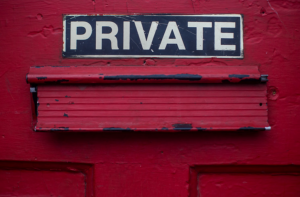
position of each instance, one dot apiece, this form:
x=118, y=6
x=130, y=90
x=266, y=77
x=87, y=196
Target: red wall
x=149, y=164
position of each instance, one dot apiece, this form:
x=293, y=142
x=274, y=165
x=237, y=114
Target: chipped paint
x=62, y=80
x=238, y=76
x=117, y=129
x=182, y=126
x=189, y=77
x=41, y=78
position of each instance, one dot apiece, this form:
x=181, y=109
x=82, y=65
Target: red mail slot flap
x=133, y=74
x=135, y=106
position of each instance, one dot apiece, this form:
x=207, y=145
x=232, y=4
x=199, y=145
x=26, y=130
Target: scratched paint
x=150, y=164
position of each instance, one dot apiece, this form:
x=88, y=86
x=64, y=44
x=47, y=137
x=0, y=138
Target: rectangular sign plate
x=156, y=36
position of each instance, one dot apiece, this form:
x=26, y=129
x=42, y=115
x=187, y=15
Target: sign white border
x=157, y=56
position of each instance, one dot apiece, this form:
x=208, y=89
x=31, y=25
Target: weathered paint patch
x=62, y=80
x=117, y=129
x=189, y=77
x=251, y=128
x=238, y=76
x=182, y=126
x=64, y=128
x=248, y=80
x=41, y=78
x=59, y=129
x=201, y=129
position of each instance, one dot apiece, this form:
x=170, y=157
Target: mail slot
x=162, y=99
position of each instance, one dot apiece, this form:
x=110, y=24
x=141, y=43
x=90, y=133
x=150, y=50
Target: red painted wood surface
x=41, y=183
x=159, y=107
x=45, y=179
x=152, y=164
x=138, y=74
x=153, y=107
x=229, y=180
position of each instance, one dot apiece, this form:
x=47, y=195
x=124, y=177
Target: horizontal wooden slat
x=155, y=100
x=147, y=122
x=149, y=129
x=151, y=120
x=141, y=74
x=141, y=107
x=153, y=87
x=150, y=94
x=127, y=70
x=235, y=113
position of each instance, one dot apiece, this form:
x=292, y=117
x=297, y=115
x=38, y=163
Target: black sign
x=159, y=36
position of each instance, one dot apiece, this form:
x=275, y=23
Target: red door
x=189, y=162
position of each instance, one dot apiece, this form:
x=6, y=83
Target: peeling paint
x=201, y=129
x=239, y=76
x=41, y=78
x=251, y=128
x=189, y=77
x=117, y=129
x=62, y=80
x=182, y=126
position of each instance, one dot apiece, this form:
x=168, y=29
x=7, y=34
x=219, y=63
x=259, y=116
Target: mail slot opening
x=107, y=99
